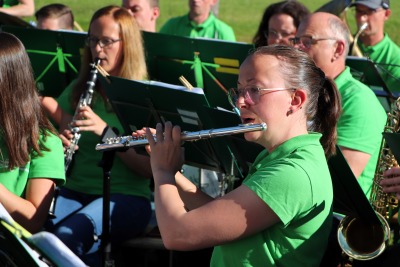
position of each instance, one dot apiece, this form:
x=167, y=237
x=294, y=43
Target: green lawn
x=242, y=15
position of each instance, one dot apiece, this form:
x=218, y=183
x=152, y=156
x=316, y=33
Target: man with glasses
x=374, y=43
x=326, y=39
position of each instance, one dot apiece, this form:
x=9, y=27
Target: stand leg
x=106, y=163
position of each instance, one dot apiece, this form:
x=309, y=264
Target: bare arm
x=237, y=214
x=357, y=160
x=53, y=110
x=32, y=211
x=25, y=8
x=190, y=194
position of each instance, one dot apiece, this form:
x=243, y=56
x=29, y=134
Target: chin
x=252, y=136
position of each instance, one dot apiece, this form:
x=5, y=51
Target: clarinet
x=84, y=100
x=130, y=141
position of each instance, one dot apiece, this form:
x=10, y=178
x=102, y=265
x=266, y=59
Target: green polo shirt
x=294, y=181
x=361, y=123
x=86, y=175
x=50, y=165
x=8, y=3
x=211, y=28
x=387, y=56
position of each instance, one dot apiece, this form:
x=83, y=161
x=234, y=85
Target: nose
x=283, y=41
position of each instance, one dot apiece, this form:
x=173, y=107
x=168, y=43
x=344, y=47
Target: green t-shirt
x=8, y=3
x=361, y=123
x=387, y=56
x=49, y=165
x=294, y=181
x=211, y=28
x=86, y=176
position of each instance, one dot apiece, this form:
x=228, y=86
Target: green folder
x=55, y=56
x=206, y=63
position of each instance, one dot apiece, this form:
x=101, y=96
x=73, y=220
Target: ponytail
x=327, y=116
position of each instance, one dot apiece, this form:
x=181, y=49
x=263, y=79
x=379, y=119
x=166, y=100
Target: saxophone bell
x=362, y=240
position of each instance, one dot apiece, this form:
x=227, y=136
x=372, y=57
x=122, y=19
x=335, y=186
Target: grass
x=242, y=15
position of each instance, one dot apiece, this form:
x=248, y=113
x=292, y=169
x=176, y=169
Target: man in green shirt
x=200, y=22
x=375, y=44
x=326, y=39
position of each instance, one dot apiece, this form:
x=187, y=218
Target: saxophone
x=358, y=239
x=84, y=100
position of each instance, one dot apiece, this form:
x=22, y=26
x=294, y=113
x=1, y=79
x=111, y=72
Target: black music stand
x=393, y=141
x=210, y=64
x=55, y=56
x=366, y=71
x=349, y=199
x=141, y=104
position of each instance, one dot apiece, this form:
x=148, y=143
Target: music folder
x=210, y=64
x=140, y=104
x=348, y=197
x=55, y=56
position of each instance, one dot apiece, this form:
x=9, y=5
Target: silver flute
x=84, y=100
x=131, y=141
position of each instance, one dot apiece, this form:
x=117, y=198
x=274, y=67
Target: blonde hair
x=133, y=56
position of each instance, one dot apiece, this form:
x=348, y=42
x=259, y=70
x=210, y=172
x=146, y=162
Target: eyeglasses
x=250, y=93
x=367, y=12
x=272, y=34
x=307, y=41
x=103, y=43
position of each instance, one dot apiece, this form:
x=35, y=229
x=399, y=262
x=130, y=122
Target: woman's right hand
x=391, y=183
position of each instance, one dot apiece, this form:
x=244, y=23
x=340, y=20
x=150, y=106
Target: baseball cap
x=373, y=4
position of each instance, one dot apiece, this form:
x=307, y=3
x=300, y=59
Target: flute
x=130, y=141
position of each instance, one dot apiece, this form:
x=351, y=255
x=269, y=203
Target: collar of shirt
x=373, y=48
x=205, y=24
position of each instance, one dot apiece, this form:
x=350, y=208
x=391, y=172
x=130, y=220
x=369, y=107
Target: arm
x=391, y=183
x=190, y=194
x=357, y=160
x=52, y=108
x=25, y=8
x=140, y=164
x=32, y=211
x=237, y=214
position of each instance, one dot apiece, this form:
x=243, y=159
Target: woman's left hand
x=166, y=154
x=87, y=120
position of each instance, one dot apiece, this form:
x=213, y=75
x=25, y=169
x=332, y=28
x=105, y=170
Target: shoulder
x=174, y=22
x=349, y=87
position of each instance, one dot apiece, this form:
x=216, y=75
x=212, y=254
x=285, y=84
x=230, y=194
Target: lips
x=246, y=120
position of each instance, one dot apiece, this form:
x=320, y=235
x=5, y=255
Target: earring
x=289, y=112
